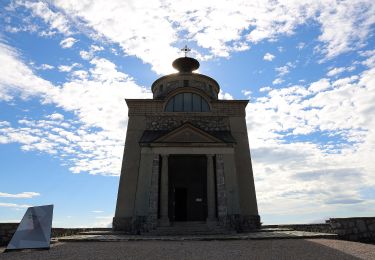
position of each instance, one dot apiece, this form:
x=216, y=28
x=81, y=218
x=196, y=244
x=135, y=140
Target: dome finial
x=185, y=50
x=185, y=64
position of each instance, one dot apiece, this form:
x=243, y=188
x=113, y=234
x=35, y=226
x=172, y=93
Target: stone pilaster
x=210, y=189
x=154, y=193
x=164, y=219
x=220, y=187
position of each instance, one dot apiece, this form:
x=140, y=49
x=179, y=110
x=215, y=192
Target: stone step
x=103, y=232
x=185, y=232
x=191, y=228
x=188, y=228
x=188, y=224
x=191, y=225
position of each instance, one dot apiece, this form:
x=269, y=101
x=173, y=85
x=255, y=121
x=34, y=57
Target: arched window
x=187, y=102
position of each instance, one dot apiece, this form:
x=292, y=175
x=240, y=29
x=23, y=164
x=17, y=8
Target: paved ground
x=106, y=236
x=233, y=249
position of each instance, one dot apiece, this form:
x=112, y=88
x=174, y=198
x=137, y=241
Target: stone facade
x=185, y=118
x=207, y=123
x=127, y=224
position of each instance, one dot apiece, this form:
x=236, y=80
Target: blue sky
x=307, y=67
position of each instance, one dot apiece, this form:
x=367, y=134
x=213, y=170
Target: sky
x=307, y=68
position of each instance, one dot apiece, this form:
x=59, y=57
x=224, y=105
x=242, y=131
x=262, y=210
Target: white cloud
x=246, y=92
x=320, y=85
x=87, y=55
x=264, y=89
x=97, y=211
x=18, y=79
x=68, y=68
x=105, y=71
x=46, y=67
x=148, y=37
x=282, y=70
x=314, y=177
x=301, y=45
x=56, y=116
x=225, y=96
x=68, y=42
x=22, y=28
x=268, y=56
x=345, y=25
x=22, y=195
x=96, y=48
x=336, y=71
x=57, y=21
x=4, y=123
x=370, y=58
x=13, y=205
x=277, y=81
x=96, y=101
x=80, y=74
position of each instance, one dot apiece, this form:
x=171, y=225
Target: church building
x=186, y=158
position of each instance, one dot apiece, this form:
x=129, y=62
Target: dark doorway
x=180, y=208
x=187, y=187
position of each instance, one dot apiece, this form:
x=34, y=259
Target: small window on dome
x=187, y=102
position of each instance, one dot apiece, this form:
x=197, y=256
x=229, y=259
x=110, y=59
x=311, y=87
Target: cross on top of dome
x=185, y=64
x=186, y=50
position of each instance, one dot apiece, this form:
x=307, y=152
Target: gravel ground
x=239, y=249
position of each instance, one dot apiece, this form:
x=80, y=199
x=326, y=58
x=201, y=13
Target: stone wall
x=360, y=229
x=323, y=228
x=8, y=229
x=354, y=229
x=62, y=232
x=240, y=223
x=6, y=232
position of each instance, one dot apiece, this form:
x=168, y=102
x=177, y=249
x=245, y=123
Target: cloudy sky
x=307, y=67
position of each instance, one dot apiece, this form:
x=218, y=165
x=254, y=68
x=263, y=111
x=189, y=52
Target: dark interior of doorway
x=187, y=187
x=180, y=209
